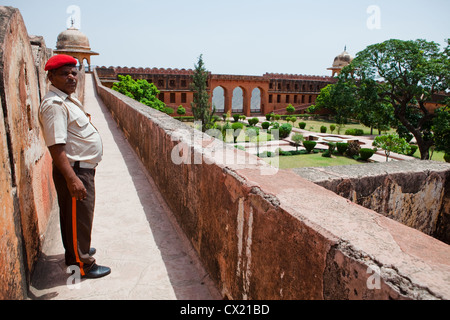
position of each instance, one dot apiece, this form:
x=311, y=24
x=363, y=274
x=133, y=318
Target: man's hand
x=74, y=184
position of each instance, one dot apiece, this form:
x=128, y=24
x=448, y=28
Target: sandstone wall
x=265, y=234
x=415, y=193
x=27, y=194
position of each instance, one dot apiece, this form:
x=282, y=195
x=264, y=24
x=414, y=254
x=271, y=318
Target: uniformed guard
x=76, y=149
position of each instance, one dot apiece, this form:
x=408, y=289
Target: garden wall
x=264, y=233
x=415, y=193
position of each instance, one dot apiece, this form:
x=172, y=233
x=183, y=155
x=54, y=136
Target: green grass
x=437, y=155
x=314, y=126
x=310, y=160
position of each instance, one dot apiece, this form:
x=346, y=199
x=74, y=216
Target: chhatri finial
x=345, y=48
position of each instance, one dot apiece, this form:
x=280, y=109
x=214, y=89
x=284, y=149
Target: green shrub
x=168, y=110
x=309, y=145
x=341, y=147
x=265, y=125
x=323, y=129
x=237, y=127
x=352, y=149
x=366, y=153
x=253, y=121
x=412, y=150
x=269, y=116
x=290, y=108
x=236, y=117
x=332, y=127
x=285, y=129
x=181, y=110
x=277, y=116
x=252, y=132
x=354, y=132
x=302, y=125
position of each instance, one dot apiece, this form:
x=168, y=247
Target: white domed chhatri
x=74, y=43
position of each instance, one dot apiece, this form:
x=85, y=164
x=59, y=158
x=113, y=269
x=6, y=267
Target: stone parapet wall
x=415, y=193
x=264, y=233
x=27, y=194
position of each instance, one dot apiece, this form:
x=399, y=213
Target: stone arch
x=256, y=100
x=238, y=104
x=218, y=98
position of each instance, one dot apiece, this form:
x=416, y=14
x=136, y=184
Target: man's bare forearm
x=61, y=162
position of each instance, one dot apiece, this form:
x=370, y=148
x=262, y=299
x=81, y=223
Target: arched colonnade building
x=249, y=95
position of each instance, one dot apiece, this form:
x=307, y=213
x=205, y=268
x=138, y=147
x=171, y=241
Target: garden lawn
x=314, y=126
x=309, y=160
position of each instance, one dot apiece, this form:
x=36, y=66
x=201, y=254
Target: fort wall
x=415, y=193
x=27, y=197
x=241, y=216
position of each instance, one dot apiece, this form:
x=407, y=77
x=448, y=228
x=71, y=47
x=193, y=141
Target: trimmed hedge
x=354, y=132
x=309, y=145
x=366, y=153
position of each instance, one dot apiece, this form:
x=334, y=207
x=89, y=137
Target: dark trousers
x=76, y=218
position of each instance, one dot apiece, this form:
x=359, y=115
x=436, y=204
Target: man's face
x=64, y=78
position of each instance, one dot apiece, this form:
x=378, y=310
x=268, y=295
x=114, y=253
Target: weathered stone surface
x=415, y=193
x=27, y=195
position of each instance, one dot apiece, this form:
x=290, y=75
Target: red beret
x=58, y=61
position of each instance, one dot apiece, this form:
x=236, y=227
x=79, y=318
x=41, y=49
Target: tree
x=339, y=98
x=140, y=90
x=391, y=143
x=441, y=129
x=407, y=74
x=297, y=138
x=290, y=108
x=201, y=107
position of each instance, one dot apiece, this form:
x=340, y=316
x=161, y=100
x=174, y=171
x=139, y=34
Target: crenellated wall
x=270, y=234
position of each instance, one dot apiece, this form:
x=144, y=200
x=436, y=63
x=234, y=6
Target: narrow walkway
x=132, y=233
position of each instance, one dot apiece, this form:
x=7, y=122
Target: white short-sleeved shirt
x=64, y=121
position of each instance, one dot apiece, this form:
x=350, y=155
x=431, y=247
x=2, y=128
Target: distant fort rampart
x=276, y=91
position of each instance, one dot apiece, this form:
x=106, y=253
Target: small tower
x=342, y=60
x=74, y=43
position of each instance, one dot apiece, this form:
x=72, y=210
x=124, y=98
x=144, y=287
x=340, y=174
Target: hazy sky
x=246, y=37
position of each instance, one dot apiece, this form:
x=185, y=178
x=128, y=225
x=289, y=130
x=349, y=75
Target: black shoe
x=97, y=272
x=92, y=251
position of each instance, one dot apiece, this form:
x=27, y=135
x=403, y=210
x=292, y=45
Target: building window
x=183, y=84
x=161, y=96
x=270, y=98
x=288, y=98
x=183, y=97
x=172, y=97
x=295, y=99
x=278, y=98
x=160, y=84
x=172, y=83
